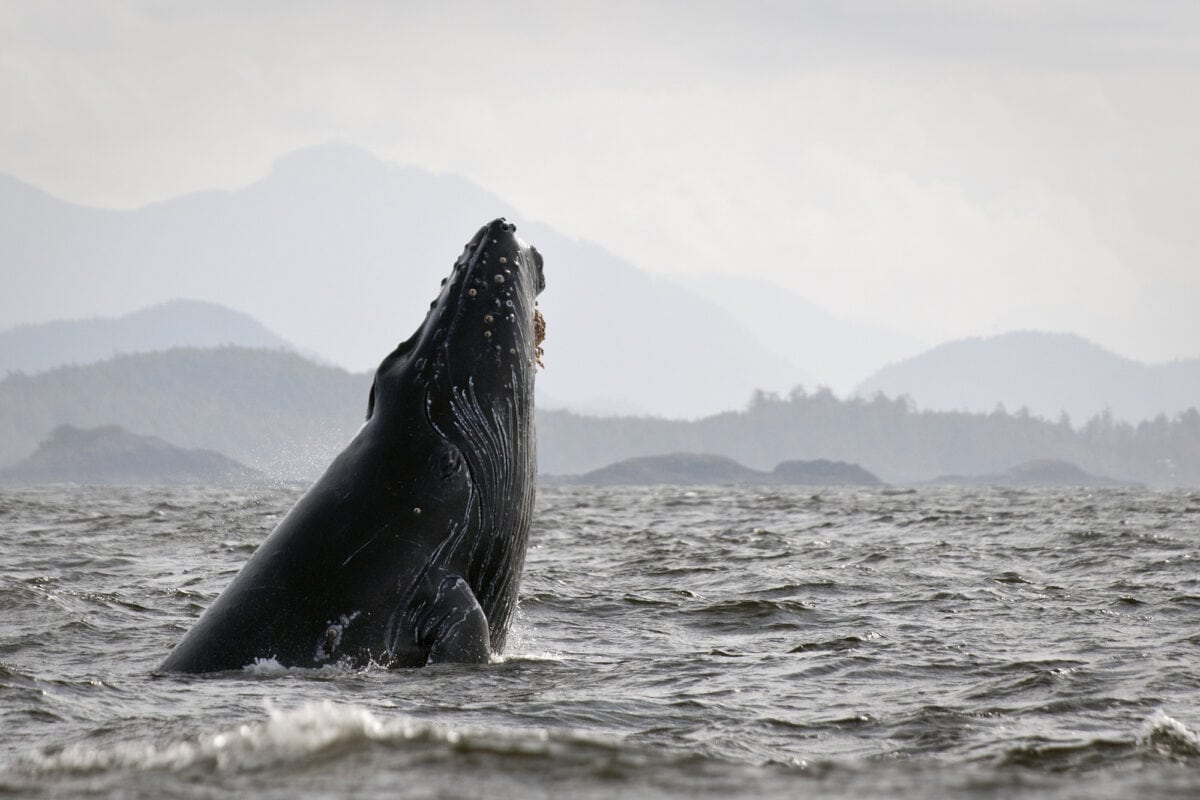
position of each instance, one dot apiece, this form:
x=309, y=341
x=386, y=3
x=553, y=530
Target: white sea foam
x=524, y=644
x=516, y=657
x=265, y=666
x=270, y=667
x=1170, y=737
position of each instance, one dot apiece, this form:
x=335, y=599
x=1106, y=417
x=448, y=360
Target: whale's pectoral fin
x=457, y=628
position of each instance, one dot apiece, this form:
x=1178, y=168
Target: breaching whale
x=409, y=549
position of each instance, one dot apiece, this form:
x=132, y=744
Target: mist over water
x=715, y=641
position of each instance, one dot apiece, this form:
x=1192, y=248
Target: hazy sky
x=941, y=169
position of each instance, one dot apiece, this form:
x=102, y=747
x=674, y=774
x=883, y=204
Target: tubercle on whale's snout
x=498, y=227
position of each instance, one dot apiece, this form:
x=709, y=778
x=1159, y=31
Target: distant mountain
x=178, y=323
x=113, y=455
x=340, y=254
x=1047, y=373
x=831, y=351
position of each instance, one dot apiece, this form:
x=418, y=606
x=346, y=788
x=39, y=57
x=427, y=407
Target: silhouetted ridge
x=888, y=437
x=176, y=323
x=1046, y=373
x=288, y=417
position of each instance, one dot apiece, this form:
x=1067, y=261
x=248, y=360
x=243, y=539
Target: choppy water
x=671, y=643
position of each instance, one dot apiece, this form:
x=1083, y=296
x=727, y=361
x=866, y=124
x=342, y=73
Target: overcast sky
x=941, y=169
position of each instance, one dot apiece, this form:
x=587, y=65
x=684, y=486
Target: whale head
x=466, y=377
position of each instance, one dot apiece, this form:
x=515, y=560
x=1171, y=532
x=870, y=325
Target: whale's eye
x=449, y=462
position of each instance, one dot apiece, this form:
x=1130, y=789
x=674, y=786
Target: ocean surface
x=671, y=642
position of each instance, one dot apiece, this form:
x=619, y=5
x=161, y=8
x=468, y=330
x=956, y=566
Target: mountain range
x=340, y=253
x=335, y=254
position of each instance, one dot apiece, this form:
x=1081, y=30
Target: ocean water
x=671, y=642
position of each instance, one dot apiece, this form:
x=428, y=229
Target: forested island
x=684, y=469
x=112, y=455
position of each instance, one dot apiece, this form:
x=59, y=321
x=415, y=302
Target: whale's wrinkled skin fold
x=409, y=549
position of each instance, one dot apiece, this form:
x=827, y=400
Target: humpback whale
x=408, y=550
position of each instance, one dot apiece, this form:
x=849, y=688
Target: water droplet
x=508, y=303
x=503, y=260
x=488, y=318
x=487, y=334
x=472, y=292
x=417, y=511
x=499, y=278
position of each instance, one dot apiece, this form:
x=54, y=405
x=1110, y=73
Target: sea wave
x=1161, y=737
x=299, y=734
x=1170, y=738
x=1021, y=647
